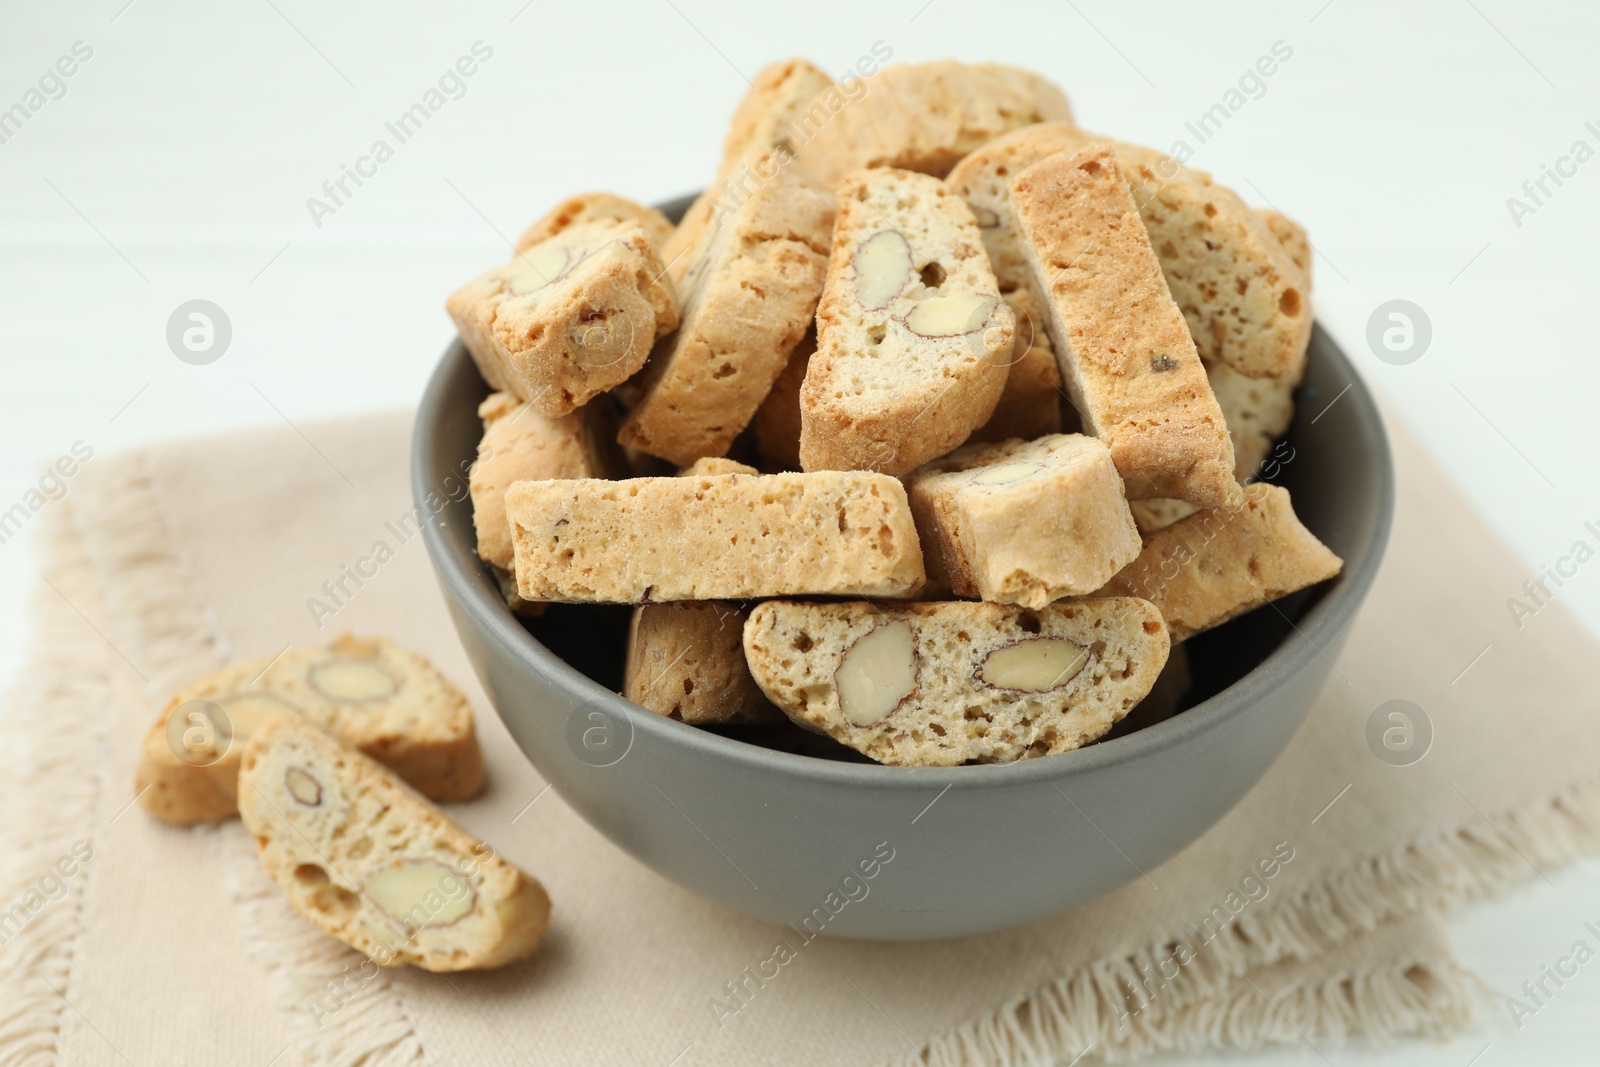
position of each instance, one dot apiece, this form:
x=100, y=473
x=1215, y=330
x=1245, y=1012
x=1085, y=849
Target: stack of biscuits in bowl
x=933, y=427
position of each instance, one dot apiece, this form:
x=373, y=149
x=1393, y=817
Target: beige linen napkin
x=170, y=945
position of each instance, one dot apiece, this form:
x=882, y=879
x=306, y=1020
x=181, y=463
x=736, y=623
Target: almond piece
x=418, y=892
x=883, y=267
x=951, y=316
x=537, y=267
x=303, y=786
x=877, y=673
x=352, y=681
x=1037, y=665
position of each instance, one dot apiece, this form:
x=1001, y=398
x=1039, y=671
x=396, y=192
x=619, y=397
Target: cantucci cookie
x=1125, y=353
x=716, y=465
x=686, y=661
x=774, y=115
x=567, y=318
x=369, y=862
x=1023, y=522
x=913, y=341
x=1221, y=562
x=748, y=298
x=520, y=444
x=714, y=537
x=944, y=684
x=777, y=420
x=592, y=207
x=1292, y=236
x=1244, y=297
x=926, y=116
x=189, y=759
x=1030, y=403
x=392, y=704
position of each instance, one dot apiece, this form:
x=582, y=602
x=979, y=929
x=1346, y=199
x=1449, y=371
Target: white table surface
x=177, y=163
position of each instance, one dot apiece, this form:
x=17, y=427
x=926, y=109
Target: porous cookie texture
x=1243, y=293
x=1030, y=404
x=748, y=298
x=716, y=465
x=726, y=536
x=1292, y=236
x=1023, y=522
x=686, y=661
x=1124, y=350
x=914, y=343
x=950, y=683
x=926, y=116
x=189, y=759
x=780, y=109
x=1221, y=562
x=519, y=444
x=392, y=704
x=372, y=864
x=567, y=318
x=592, y=207
x=777, y=421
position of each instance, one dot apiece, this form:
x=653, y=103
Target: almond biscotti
x=1030, y=403
x=1221, y=562
x=1292, y=236
x=950, y=683
x=776, y=113
x=714, y=537
x=777, y=421
x=592, y=207
x=567, y=318
x=1244, y=296
x=913, y=340
x=1023, y=522
x=686, y=661
x=519, y=444
x=1124, y=349
x=372, y=864
x=748, y=298
x=926, y=116
x=390, y=703
x=716, y=465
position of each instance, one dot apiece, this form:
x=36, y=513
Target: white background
x=178, y=164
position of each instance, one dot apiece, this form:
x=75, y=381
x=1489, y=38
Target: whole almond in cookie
x=567, y=318
x=377, y=697
x=369, y=862
x=1125, y=352
x=940, y=684
x=914, y=343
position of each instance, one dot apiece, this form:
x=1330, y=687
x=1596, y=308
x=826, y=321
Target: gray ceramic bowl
x=860, y=850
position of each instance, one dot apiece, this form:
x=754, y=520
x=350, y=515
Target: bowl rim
x=468, y=581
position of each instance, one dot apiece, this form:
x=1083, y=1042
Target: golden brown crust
x=1024, y=522
x=334, y=829
x=568, y=318
x=954, y=712
x=590, y=207
x=686, y=661
x=1125, y=353
x=926, y=116
x=748, y=298
x=879, y=395
x=1221, y=562
x=729, y=536
x=778, y=418
x=1243, y=293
